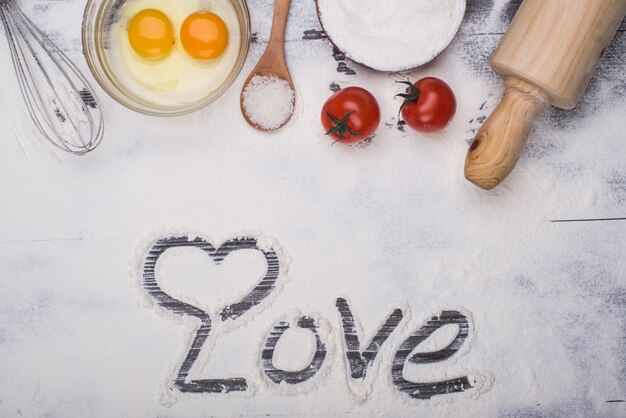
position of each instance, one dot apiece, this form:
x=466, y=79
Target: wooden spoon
x=272, y=63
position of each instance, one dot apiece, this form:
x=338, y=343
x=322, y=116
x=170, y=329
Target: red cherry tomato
x=429, y=105
x=351, y=115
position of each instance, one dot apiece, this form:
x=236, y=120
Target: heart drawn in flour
x=233, y=311
x=192, y=276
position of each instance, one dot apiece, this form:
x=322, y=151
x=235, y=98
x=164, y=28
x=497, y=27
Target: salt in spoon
x=272, y=63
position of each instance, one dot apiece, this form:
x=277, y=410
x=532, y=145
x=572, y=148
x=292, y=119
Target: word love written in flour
x=359, y=356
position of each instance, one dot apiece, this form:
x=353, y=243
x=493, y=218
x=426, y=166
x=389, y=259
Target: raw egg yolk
x=150, y=34
x=204, y=35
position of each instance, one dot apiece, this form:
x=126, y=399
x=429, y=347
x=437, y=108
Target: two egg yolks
x=204, y=35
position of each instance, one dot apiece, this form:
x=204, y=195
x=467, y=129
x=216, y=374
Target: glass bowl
x=98, y=21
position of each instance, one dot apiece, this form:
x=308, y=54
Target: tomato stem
x=412, y=95
x=341, y=126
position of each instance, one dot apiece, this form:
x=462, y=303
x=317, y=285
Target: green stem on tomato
x=412, y=95
x=341, y=127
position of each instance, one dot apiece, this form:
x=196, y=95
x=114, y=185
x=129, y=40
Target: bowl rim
x=92, y=56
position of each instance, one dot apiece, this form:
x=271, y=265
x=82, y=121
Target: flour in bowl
x=391, y=36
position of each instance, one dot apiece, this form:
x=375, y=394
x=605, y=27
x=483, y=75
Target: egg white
x=178, y=78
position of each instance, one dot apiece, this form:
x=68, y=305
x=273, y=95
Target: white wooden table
x=389, y=225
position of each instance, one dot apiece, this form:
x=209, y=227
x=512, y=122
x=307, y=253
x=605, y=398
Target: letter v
x=358, y=361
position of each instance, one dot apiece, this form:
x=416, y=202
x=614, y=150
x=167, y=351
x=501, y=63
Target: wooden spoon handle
x=497, y=146
x=279, y=23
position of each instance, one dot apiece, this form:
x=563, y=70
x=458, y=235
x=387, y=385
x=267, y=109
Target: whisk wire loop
x=57, y=95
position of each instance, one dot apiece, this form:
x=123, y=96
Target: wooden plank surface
x=384, y=236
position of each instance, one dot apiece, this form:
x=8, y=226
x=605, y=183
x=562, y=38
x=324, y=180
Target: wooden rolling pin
x=547, y=57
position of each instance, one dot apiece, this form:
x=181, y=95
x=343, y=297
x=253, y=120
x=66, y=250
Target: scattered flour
x=268, y=101
x=392, y=225
x=388, y=37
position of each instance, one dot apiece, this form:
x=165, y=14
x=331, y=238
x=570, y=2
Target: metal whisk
x=58, y=97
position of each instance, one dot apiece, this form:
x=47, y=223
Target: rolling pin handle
x=498, y=144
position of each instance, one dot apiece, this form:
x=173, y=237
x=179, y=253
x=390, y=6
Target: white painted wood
x=390, y=225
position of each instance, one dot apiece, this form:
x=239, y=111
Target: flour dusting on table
x=538, y=306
